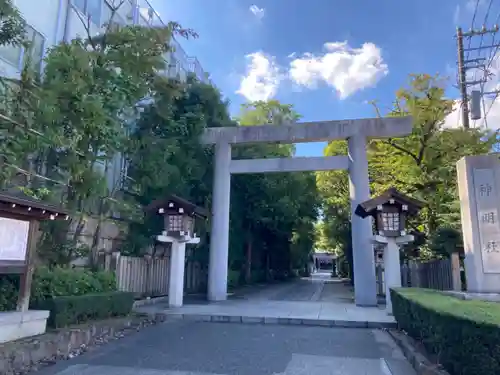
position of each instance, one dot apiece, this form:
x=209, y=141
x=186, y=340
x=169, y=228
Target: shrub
x=51, y=282
x=9, y=289
x=464, y=335
x=68, y=310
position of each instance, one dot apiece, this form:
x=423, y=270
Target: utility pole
x=461, y=77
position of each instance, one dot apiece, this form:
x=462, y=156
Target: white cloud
x=342, y=67
x=262, y=77
x=257, y=12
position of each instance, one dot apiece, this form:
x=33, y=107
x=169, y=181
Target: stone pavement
x=318, y=300
x=186, y=347
x=196, y=348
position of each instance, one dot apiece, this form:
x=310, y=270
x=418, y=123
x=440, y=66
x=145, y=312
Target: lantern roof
x=188, y=207
x=26, y=208
x=369, y=207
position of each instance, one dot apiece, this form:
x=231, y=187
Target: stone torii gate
x=355, y=131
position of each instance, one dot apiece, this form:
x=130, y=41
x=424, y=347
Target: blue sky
x=326, y=57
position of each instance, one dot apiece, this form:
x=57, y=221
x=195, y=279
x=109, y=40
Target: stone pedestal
x=177, y=266
x=15, y=325
x=392, y=276
x=176, y=279
x=478, y=186
x=392, y=265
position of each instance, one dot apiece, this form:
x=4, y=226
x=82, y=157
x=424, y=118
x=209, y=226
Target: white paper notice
x=488, y=220
x=13, y=239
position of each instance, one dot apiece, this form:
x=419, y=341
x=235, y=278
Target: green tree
x=278, y=212
x=165, y=155
x=91, y=87
x=421, y=164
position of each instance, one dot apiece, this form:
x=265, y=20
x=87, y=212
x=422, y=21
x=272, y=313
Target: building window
x=34, y=52
x=19, y=55
x=11, y=54
x=91, y=8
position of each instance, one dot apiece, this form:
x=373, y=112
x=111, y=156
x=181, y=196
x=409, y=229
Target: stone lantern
x=390, y=211
x=179, y=217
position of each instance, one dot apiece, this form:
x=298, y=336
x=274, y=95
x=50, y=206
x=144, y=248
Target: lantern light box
x=179, y=215
x=390, y=211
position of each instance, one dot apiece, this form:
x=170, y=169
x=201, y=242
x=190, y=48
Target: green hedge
x=68, y=310
x=465, y=335
x=52, y=282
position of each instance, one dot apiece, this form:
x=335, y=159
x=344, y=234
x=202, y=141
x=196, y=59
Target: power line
x=479, y=56
x=472, y=26
x=491, y=58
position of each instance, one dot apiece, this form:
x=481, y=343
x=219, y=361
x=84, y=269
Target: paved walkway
x=198, y=348
x=182, y=347
x=318, y=300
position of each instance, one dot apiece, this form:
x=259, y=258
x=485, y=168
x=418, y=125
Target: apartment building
x=52, y=21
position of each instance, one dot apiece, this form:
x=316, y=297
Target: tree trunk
x=268, y=264
x=248, y=270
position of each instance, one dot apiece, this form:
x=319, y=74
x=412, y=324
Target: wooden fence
x=439, y=274
x=149, y=277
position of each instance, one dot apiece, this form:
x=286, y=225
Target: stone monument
x=478, y=184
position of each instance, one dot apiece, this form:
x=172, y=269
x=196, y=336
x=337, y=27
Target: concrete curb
x=276, y=321
x=417, y=360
